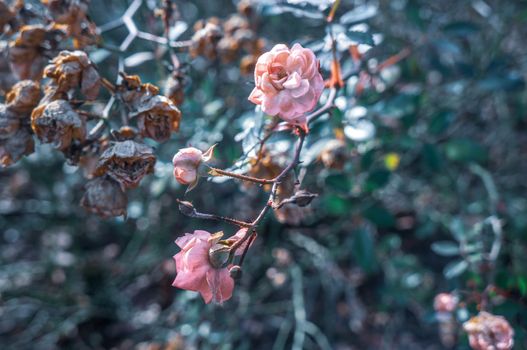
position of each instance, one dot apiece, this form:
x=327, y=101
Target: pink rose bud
x=445, y=302
x=196, y=272
x=186, y=163
x=489, y=332
x=288, y=83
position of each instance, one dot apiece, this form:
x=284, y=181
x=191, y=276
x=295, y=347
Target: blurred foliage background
x=419, y=170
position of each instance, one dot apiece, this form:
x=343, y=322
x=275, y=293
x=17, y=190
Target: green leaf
x=455, y=268
x=380, y=216
x=335, y=205
x=377, y=179
x=338, y=183
x=361, y=37
x=461, y=28
x=440, y=122
x=445, y=248
x=363, y=249
x=465, y=150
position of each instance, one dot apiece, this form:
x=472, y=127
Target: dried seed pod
x=57, y=123
x=157, y=118
x=127, y=162
x=104, y=197
x=72, y=69
x=23, y=97
x=12, y=149
x=9, y=123
x=205, y=39
x=247, y=64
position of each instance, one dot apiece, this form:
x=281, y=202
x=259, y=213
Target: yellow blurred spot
x=391, y=161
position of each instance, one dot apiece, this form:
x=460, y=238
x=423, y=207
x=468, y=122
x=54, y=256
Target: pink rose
x=195, y=271
x=489, y=332
x=445, y=302
x=288, y=83
x=186, y=163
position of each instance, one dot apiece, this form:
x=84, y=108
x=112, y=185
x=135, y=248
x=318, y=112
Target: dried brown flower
x=334, y=154
x=73, y=13
x=6, y=16
x=26, y=50
x=174, y=89
x=205, y=39
x=9, y=123
x=58, y=123
x=72, y=69
x=13, y=148
x=157, y=118
x=127, y=162
x=133, y=91
x=23, y=97
x=104, y=197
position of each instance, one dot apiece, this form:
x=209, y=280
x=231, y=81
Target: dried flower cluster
x=230, y=39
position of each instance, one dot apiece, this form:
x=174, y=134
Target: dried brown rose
x=104, y=197
x=12, y=149
x=72, y=69
x=205, y=39
x=133, y=91
x=6, y=16
x=23, y=97
x=73, y=13
x=58, y=123
x=25, y=52
x=174, y=89
x=157, y=118
x=9, y=123
x=235, y=23
x=127, y=162
x=334, y=154
x=228, y=49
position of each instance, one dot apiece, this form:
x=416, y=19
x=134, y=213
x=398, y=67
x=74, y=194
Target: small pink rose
x=288, y=83
x=445, y=302
x=186, y=163
x=195, y=271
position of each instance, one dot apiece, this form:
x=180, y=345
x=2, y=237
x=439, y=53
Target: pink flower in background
x=186, y=163
x=445, y=302
x=288, y=83
x=489, y=332
x=195, y=271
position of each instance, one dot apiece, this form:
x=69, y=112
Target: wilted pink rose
x=288, y=83
x=445, y=302
x=186, y=163
x=195, y=271
x=489, y=332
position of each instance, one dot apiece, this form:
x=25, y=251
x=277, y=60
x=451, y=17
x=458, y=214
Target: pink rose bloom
x=288, y=83
x=186, y=163
x=445, y=302
x=489, y=332
x=195, y=271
